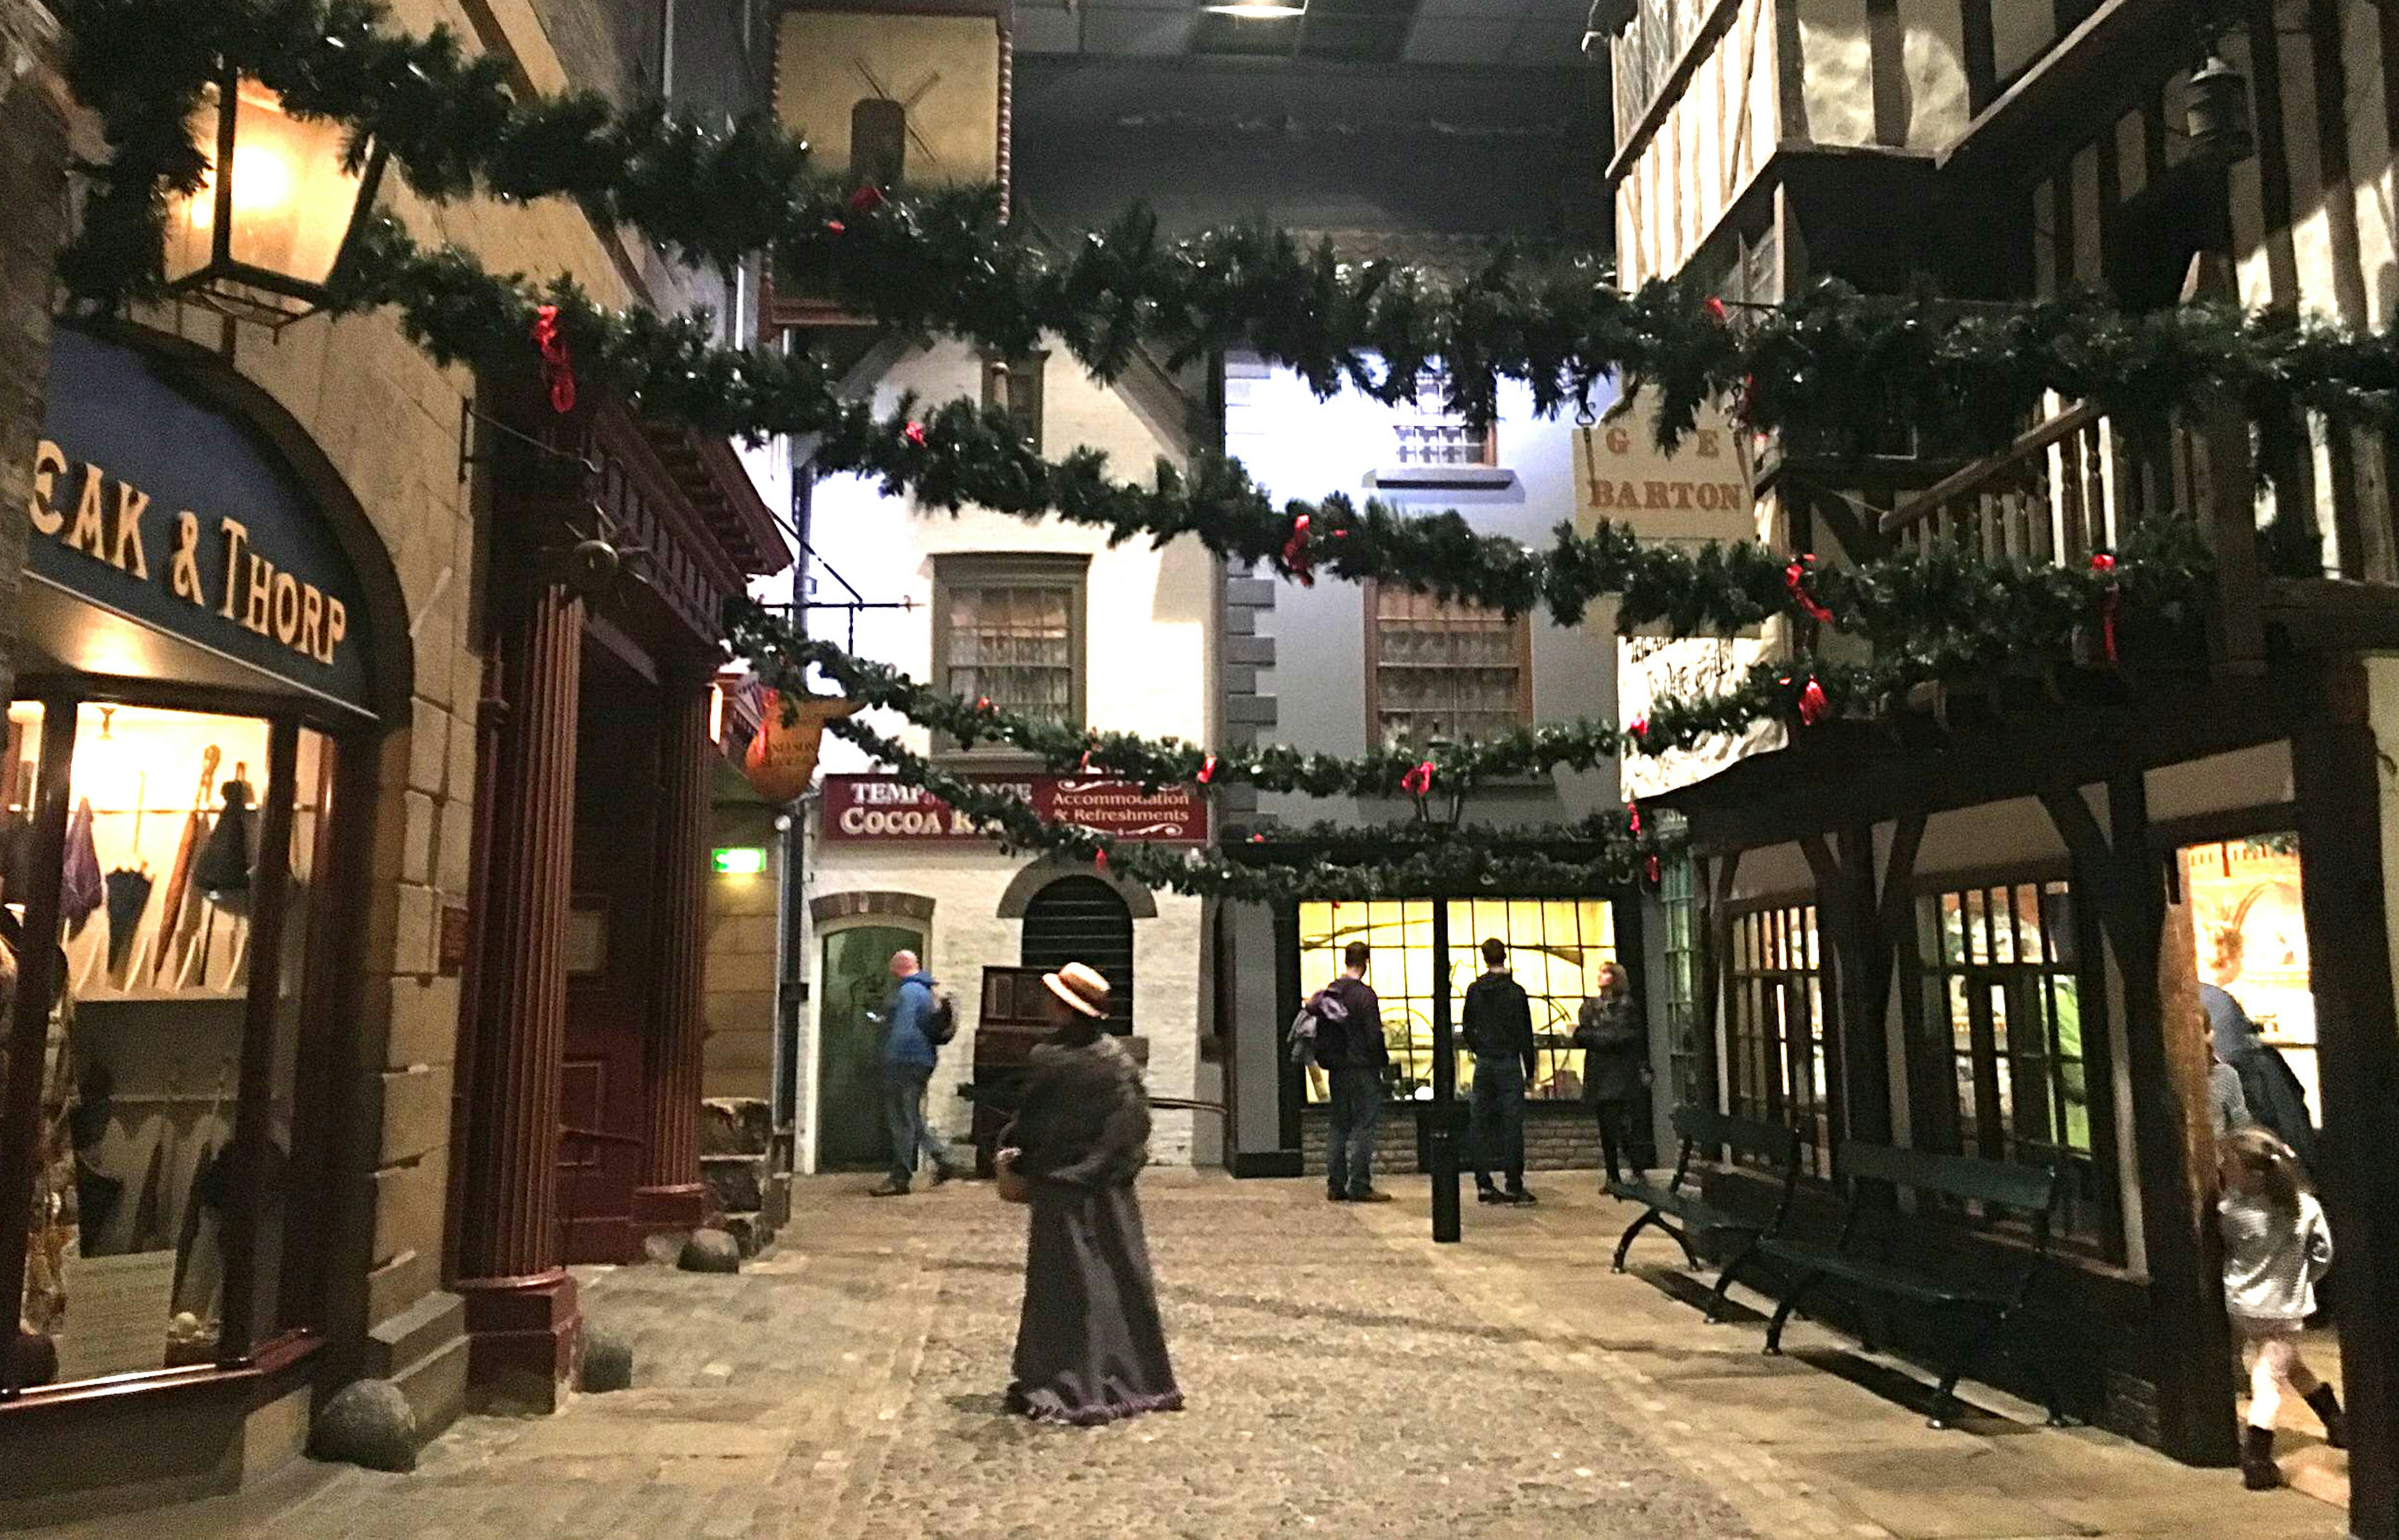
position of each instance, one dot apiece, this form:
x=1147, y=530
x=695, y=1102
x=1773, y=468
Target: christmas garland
x=1403, y=860
x=1945, y=604
x=1827, y=364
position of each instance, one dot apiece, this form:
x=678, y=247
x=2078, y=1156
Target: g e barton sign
x=1701, y=492
x=155, y=504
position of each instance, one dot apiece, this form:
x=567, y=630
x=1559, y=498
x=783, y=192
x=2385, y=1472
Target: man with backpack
x=916, y=1025
x=1348, y=1045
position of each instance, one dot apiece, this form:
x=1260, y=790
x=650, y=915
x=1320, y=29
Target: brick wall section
x=738, y=990
x=33, y=187
x=1559, y=1137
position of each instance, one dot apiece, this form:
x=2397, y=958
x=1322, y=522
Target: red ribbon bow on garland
x=1207, y=769
x=1795, y=578
x=866, y=199
x=1812, y=704
x=983, y=703
x=1639, y=728
x=2110, y=601
x=1716, y=310
x=1419, y=781
x=1653, y=870
x=1295, y=555
x=914, y=434
x=1632, y=819
x=557, y=364
x=1100, y=858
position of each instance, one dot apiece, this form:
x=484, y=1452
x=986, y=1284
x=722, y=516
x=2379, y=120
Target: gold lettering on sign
x=86, y=535
x=261, y=591
x=130, y=504
x=237, y=539
x=312, y=618
x=287, y=608
x=184, y=567
x=49, y=460
x=259, y=595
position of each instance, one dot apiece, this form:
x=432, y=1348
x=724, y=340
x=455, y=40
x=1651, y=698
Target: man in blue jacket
x=908, y=1058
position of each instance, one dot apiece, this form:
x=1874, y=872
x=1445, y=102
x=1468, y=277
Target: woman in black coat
x=1615, y=1043
x=1089, y=1345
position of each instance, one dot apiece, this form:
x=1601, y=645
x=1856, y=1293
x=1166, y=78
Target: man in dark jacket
x=908, y=1058
x=1499, y=1033
x=1354, y=1058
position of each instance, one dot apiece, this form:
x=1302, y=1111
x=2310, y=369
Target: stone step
x=753, y=1233
x=737, y=1125
x=737, y=1183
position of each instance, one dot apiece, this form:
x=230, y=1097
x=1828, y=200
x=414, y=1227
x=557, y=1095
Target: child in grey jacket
x=2276, y=1245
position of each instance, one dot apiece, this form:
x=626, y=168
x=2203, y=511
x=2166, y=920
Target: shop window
x=1775, y=1036
x=1555, y=949
x=164, y=1136
x=1014, y=385
x=1676, y=894
x=1441, y=671
x=2250, y=935
x=1998, y=973
x=1011, y=630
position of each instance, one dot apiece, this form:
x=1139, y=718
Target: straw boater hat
x=1081, y=987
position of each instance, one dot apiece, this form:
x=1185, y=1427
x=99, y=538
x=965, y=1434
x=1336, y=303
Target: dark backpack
x=1323, y=1009
x=942, y=1021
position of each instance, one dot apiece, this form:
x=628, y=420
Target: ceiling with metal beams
x=1525, y=33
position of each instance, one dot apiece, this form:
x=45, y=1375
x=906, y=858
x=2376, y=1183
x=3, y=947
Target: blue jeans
x=1350, y=1150
x=903, y=1109
x=1499, y=1120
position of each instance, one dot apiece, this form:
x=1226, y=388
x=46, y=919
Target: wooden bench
x=1975, y=1310
x=1677, y=1207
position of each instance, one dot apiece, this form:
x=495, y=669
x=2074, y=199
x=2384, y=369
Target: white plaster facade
x=1149, y=647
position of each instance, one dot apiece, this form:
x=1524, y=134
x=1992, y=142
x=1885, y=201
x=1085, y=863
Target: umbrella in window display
x=179, y=876
x=80, y=888
x=128, y=890
x=222, y=869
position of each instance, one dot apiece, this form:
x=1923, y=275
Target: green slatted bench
x=1677, y=1207
x=1974, y=1311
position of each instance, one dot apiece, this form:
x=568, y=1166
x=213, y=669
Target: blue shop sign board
x=172, y=513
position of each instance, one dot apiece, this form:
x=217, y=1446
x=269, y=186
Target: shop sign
x=1701, y=492
x=174, y=514
x=863, y=808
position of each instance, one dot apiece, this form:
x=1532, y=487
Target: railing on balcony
x=2081, y=481
x=2076, y=483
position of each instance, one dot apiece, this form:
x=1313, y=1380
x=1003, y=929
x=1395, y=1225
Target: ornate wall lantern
x=282, y=202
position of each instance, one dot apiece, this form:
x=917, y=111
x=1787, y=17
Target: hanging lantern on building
x=782, y=756
x=281, y=202
x=2216, y=113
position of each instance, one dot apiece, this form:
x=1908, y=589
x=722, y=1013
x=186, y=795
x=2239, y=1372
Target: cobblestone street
x=1346, y=1379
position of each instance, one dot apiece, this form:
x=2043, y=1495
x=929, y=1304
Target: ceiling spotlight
x=1255, y=7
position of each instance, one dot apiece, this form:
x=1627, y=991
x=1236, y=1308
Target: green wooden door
x=855, y=978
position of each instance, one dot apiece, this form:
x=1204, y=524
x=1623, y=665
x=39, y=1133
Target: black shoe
x=1518, y=1196
x=2258, y=1471
x=944, y=1175
x=1372, y=1194
x=1488, y=1195
x=1337, y=1197
x=889, y=1189
x=2325, y=1403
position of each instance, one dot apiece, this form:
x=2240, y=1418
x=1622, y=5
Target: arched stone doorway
x=1082, y=919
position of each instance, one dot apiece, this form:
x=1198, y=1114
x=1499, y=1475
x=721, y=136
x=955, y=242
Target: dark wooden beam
x=1886, y=44
x=2166, y=1062
x=2337, y=770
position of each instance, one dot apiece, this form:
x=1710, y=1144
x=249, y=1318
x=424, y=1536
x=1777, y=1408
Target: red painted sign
x=862, y=808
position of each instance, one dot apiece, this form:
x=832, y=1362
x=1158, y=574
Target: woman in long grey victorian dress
x=1089, y=1345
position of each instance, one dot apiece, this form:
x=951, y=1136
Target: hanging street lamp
x=2216, y=113
x=281, y=203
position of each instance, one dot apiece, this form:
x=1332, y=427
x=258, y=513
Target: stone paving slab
x=1346, y=1378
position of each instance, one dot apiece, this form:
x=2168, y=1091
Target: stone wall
x=1558, y=1137
x=738, y=987
x=32, y=188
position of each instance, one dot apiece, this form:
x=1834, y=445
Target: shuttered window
x=1082, y=919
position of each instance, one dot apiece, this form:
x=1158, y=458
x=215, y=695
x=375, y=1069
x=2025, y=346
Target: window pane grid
x=1014, y=646
x=1775, y=1004
x=1443, y=671
x=1998, y=964
x=1556, y=948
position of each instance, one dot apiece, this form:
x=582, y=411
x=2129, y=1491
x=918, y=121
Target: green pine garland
x=1400, y=861
x=1821, y=366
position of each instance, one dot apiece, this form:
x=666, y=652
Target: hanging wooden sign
x=782, y=756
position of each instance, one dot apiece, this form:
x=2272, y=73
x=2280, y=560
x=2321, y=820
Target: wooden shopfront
x=210, y=650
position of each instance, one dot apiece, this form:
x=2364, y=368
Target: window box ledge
x=1442, y=478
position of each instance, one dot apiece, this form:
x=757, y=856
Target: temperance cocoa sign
x=859, y=809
